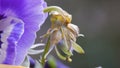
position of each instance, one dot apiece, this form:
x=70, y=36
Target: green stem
x=46, y=49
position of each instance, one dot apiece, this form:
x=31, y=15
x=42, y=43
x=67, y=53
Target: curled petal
x=37, y=45
x=73, y=29
x=35, y=52
x=81, y=35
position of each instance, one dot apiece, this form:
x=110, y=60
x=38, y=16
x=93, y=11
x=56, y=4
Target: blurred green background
x=99, y=21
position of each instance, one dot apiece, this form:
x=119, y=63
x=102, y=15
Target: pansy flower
x=19, y=22
x=62, y=35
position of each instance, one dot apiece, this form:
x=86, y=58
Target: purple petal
x=33, y=19
x=9, y=38
x=31, y=13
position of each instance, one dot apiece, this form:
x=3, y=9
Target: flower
x=62, y=34
x=19, y=22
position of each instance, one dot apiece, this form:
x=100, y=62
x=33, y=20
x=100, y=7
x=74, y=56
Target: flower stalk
x=46, y=49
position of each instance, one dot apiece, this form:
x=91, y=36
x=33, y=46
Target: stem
x=46, y=49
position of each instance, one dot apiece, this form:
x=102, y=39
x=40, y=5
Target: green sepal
x=77, y=48
x=59, y=55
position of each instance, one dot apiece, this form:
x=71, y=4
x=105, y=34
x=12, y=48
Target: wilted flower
x=62, y=34
x=19, y=22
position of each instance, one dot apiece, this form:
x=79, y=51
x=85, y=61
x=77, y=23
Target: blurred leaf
x=52, y=62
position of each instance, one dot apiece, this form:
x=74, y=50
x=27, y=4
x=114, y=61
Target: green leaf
x=77, y=48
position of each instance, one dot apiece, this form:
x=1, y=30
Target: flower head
x=62, y=34
x=19, y=22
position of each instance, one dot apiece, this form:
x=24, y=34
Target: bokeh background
x=99, y=21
